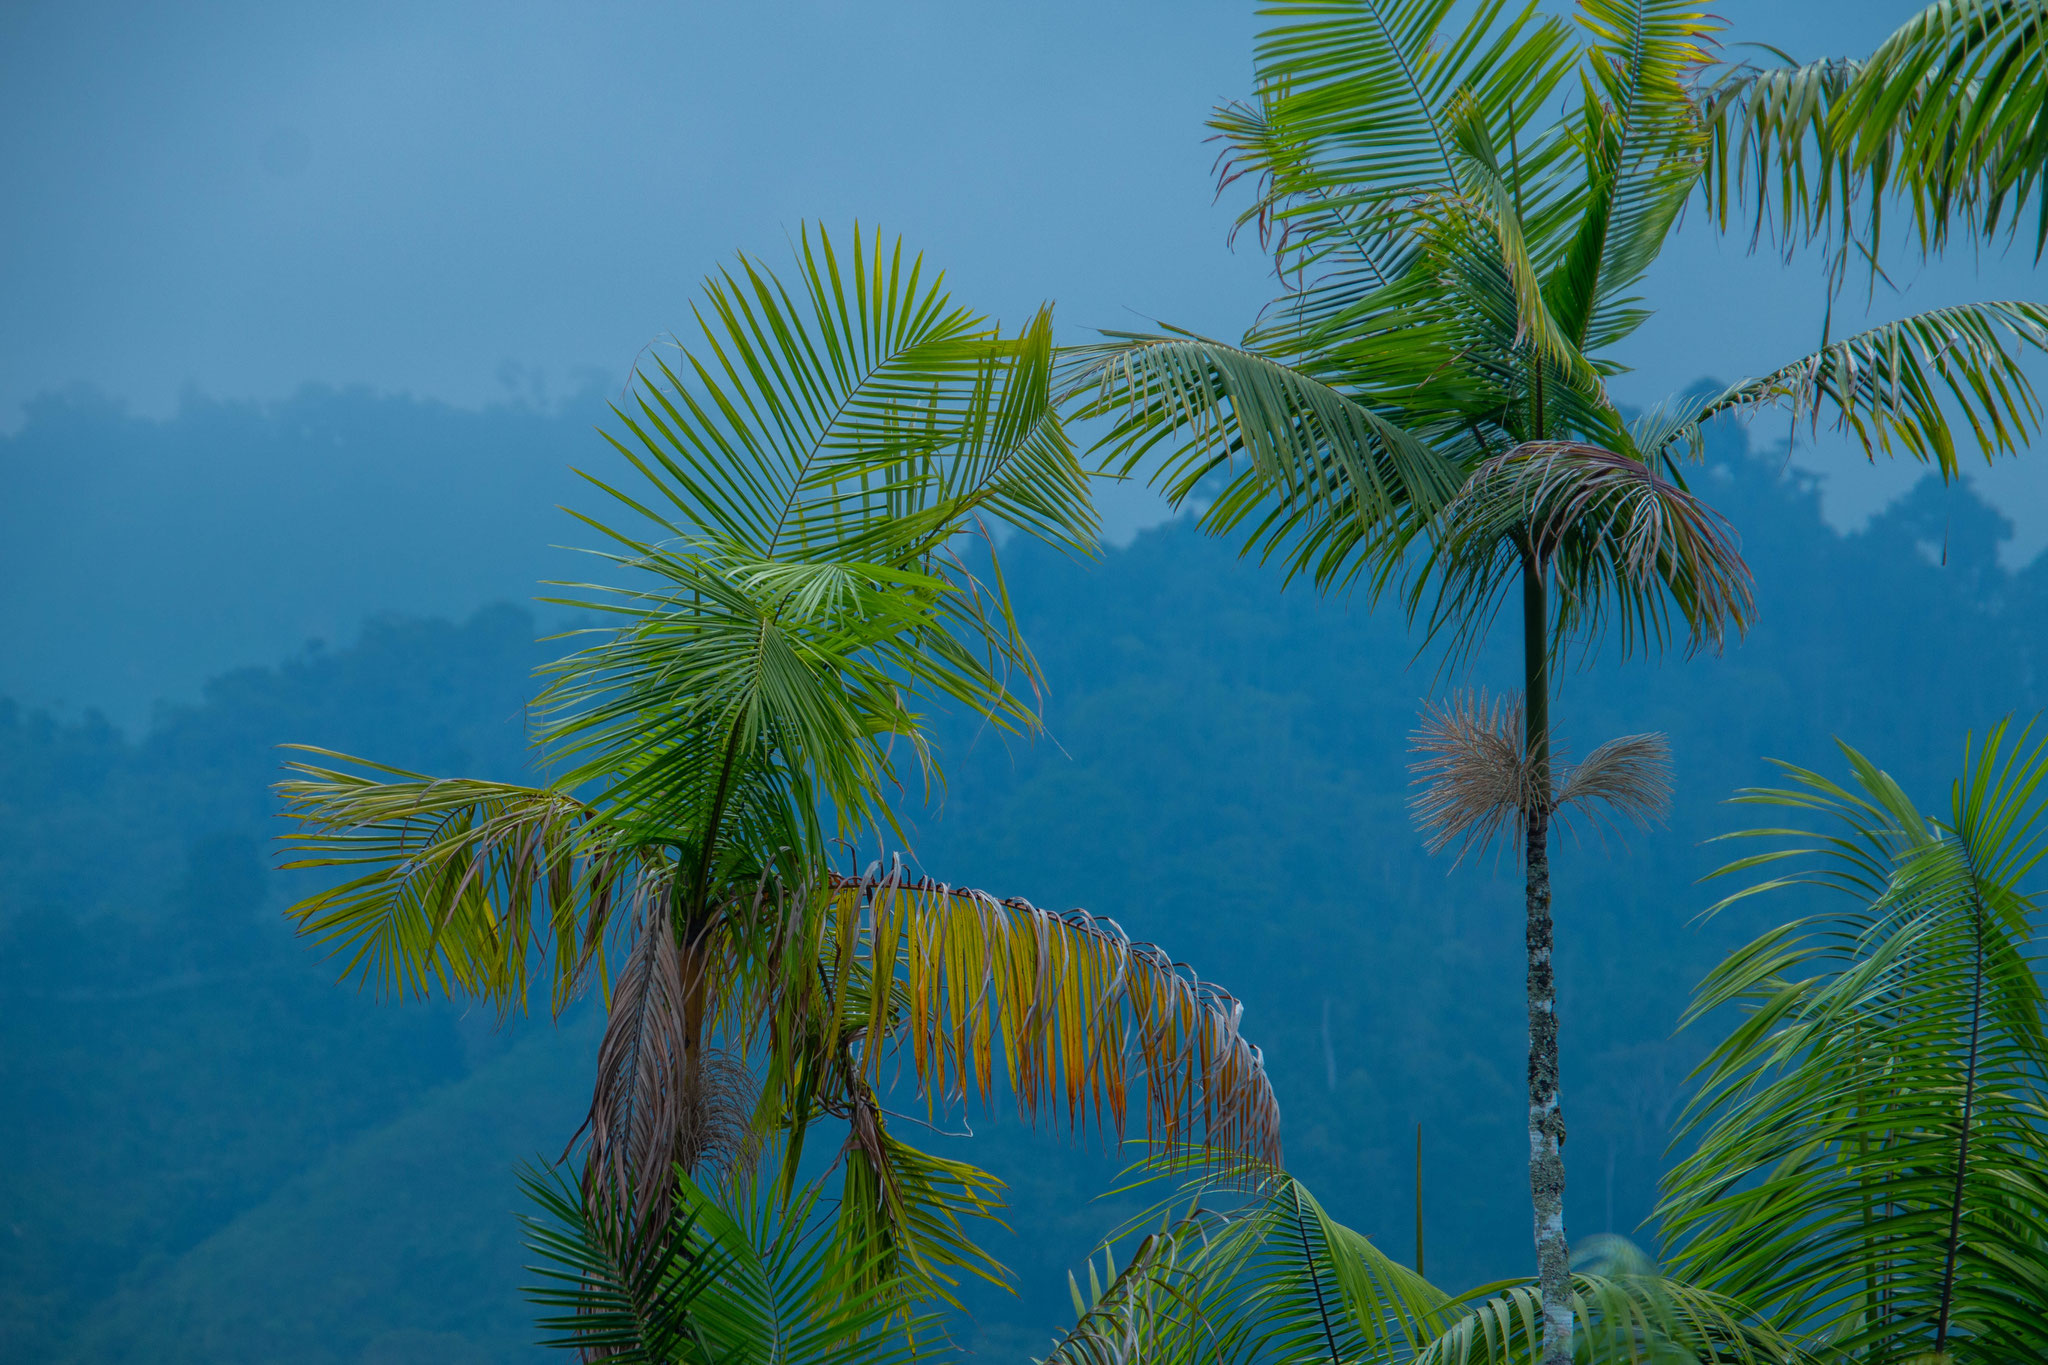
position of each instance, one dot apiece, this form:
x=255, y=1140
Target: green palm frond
x=1870, y=1139
x=1317, y=473
x=1949, y=114
x=618, y=1296
x=1265, y=1274
x=1159, y=1307
x=1770, y=148
x=454, y=885
x=1627, y=1311
x=1894, y=385
x=1262, y=1275
x=915, y=1209
x=1643, y=142
x=808, y=465
x=865, y=404
x=737, y=1278
x=1359, y=94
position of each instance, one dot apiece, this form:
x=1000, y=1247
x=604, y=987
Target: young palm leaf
x=1869, y=1157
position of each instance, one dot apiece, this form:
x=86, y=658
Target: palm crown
x=793, y=588
x=1461, y=205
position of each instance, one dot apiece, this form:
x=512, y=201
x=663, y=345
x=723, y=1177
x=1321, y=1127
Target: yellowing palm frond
x=1065, y=1010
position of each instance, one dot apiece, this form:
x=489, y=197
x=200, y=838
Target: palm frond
x=799, y=424
x=1625, y=545
x=454, y=885
x=663, y=1098
x=1869, y=1137
x=1946, y=114
x=1644, y=141
x=1893, y=384
x=806, y=467
x=1266, y=1274
x=1626, y=1310
x=744, y=1278
x=1358, y=95
x=1077, y=1012
x=1316, y=473
x=618, y=1295
x=915, y=1209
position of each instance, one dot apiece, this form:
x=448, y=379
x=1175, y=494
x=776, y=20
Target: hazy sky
x=465, y=199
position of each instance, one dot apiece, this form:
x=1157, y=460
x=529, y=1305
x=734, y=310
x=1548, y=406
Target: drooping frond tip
x=1067, y=1002
x=1621, y=545
x=1476, y=777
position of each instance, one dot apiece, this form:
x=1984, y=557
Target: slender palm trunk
x=1546, y=1117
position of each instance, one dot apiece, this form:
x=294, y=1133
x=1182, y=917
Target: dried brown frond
x=663, y=1098
x=637, y=1107
x=1631, y=776
x=1474, y=772
x=717, y=1140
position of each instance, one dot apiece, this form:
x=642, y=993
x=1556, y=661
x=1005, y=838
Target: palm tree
x=1425, y=404
x=1871, y=1168
x=790, y=589
x=1268, y=1276
x=1949, y=115
x=737, y=1276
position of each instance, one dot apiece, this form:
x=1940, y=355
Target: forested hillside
x=217, y=1154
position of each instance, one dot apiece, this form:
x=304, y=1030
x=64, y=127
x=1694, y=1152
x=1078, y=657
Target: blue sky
x=477, y=201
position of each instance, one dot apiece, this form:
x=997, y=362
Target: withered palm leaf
x=1076, y=1012
x=1477, y=780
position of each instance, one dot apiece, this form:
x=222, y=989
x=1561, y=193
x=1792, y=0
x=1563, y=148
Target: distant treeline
x=216, y=1154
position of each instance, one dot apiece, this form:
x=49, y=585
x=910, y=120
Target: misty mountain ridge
x=221, y=1154
x=235, y=532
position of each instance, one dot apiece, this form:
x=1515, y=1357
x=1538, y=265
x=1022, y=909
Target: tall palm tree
x=1948, y=119
x=1425, y=405
x=1870, y=1166
x=789, y=589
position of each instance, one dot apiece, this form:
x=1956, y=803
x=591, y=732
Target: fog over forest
x=843, y=684
x=220, y=1154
